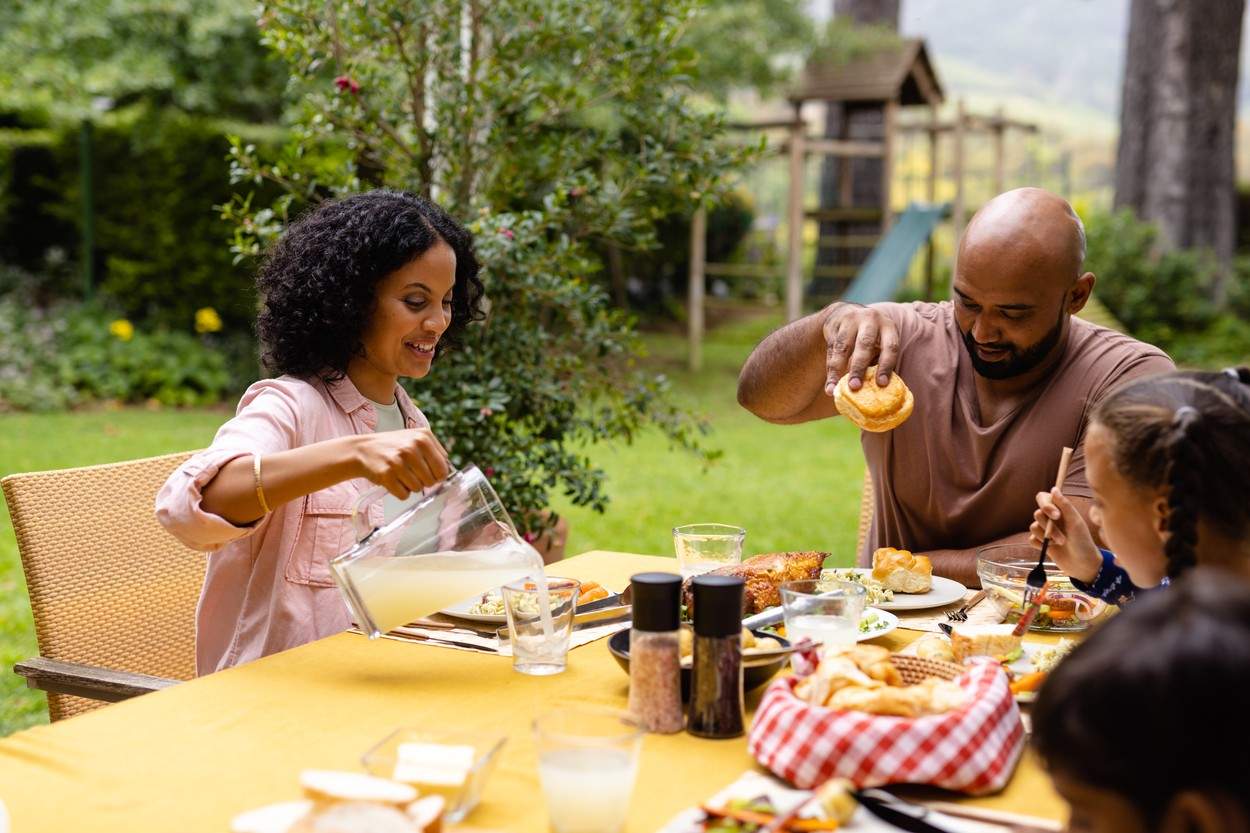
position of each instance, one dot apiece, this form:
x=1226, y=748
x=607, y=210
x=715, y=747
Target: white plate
x=943, y=592
x=890, y=620
x=460, y=610
x=1024, y=665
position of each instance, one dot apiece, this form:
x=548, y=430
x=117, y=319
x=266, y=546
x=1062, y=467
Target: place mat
x=753, y=784
x=467, y=641
x=984, y=613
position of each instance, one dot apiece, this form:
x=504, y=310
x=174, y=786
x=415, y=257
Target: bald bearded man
x=1003, y=375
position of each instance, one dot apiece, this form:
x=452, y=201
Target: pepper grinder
x=716, y=677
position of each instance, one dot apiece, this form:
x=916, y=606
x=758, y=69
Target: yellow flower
x=123, y=329
x=207, y=320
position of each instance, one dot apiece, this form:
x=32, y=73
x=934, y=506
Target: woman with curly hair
x=1167, y=461
x=356, y=294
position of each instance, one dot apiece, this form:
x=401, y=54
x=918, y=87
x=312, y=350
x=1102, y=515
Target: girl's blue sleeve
x=1111, y=584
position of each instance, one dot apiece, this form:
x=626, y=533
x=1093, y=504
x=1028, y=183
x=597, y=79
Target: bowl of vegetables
x=1004, y=569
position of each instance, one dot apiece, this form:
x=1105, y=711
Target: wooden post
x=694, y=293
x=999, y=152
x=794, y=213
x=957, y=215
x=888, y=117
x=931, y=196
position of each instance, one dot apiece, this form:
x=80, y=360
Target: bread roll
x=272, y=818
x=325, y=785
x=874, y=408
x=934, y=646
x=902, y=572
x=977, y=640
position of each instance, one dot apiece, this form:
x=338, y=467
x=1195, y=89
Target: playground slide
x=879, y=278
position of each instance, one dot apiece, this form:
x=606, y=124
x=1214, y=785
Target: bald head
x=1030, y=227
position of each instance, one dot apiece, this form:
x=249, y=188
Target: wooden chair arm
x=88, y=681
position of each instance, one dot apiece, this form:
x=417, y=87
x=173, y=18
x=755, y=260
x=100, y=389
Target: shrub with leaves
x=552, y=128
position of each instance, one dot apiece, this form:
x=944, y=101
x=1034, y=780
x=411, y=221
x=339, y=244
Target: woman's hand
x=403, y=461
x=1072, y=546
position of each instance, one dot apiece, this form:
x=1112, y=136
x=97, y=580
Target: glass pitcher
x=453, y=541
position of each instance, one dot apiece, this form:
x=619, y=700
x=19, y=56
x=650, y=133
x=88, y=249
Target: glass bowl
x=461, y=798
x=1003, y=570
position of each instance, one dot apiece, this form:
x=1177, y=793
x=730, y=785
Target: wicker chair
x=865, y=513
x=113, y=594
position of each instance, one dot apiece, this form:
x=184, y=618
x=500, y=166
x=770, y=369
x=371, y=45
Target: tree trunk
x=1175, y=163
x=884, y=12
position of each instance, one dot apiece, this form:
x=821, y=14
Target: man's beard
x=1018, y=361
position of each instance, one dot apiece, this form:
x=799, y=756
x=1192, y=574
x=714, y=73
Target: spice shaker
x=716, y=678
x=654, y=652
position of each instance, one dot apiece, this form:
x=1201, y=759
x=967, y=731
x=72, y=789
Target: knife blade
x=894, y=811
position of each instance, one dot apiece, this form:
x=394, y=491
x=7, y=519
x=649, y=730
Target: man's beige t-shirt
x=942, y=480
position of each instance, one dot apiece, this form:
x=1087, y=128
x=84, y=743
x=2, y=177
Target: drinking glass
x=587, y=761
x=704, y=547
x=540, y=620
x=827, y=612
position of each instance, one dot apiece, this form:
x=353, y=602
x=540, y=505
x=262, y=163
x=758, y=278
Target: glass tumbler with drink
x=827, y=612
x=587, y=761
x=704, y=547
x=540, y=621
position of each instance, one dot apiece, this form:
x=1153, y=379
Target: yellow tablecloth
x=190, y=757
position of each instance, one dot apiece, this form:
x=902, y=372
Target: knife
x=894, y=811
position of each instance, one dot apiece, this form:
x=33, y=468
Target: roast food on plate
x=902, y=572
x=347, y=802
x=864, y=678
x=980, y=640
x=872, y=407
x=764, y=575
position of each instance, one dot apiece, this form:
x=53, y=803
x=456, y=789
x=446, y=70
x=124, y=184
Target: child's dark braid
x=1184, y=479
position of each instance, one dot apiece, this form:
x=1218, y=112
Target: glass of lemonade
x=704, y=547
x=827, y=612
x=540, y=644
x=587, y=761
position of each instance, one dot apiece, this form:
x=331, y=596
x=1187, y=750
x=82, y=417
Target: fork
x=961, y=615
x=1036, y=581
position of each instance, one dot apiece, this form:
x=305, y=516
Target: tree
x=552, y=127
x=748, y=44
x=1175, y=164
x=202, y=56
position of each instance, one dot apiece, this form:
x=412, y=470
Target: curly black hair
x=1147, y=707
x=319, y=281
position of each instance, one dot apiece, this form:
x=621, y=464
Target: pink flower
x=345, y=83
x=489, y=471
x=507, y=232
x=486, y=412
x=530, y=537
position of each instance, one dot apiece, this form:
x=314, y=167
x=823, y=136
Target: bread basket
x=973, y=748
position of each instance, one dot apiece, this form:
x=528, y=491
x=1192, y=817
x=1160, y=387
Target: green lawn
x=792, y=487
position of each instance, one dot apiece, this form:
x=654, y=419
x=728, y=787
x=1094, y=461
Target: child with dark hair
x=1168, y=459
x=356, y=294
x=1142, y=727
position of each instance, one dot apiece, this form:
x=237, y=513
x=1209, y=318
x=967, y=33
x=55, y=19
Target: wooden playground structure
x=863, y=248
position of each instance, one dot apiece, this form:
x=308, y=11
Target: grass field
x=792, y=487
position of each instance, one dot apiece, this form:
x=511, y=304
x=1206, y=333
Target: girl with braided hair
x=1169, y=462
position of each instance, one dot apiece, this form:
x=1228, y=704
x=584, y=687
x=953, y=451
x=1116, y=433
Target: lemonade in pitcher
x=450, y=543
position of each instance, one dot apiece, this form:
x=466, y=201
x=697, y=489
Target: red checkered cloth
x=972, y=749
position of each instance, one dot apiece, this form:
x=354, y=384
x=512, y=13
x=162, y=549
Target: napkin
x=986, y=612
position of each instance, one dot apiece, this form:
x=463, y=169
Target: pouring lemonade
x=452, y=542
